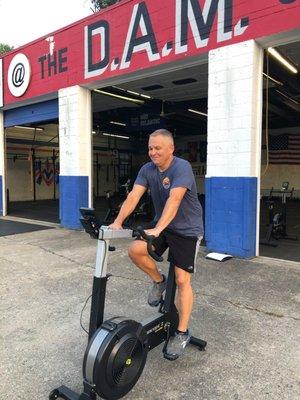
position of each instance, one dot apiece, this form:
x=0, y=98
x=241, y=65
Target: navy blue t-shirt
x=188, y=220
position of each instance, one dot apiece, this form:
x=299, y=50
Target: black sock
x=181, y=332
x=162, y=279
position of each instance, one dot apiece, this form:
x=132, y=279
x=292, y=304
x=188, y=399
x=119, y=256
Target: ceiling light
x=117, y=96
x=283, y=60
x=32, y=128
x=130, y=91
x=117, y=136
x=273, y=79
x=197, y=112
x=287, y=97
x=117, y=123
x=138, y=94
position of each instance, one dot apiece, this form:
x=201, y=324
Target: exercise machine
x=143, y=210
x=277, y=227
x=117, y=347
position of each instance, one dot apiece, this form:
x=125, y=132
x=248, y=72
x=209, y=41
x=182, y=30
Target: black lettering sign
x=149, y=36
x=62, y=60
x=42, y=61
x=18, y=75
x=101, y=28
x=204, y=25
x=55, y=62
x=52, y=63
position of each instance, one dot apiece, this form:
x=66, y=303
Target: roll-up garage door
x=40, y=112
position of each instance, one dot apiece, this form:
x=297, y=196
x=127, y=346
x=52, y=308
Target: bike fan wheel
x=120, y=359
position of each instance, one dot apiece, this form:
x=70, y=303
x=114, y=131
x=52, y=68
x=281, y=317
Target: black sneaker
x=176, y=345
x=156, y=292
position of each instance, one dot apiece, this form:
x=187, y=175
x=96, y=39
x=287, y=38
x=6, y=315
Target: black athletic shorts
x=182, y=249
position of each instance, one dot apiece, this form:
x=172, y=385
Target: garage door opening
x=280, y=173
x=32, y=171
x=123, y=117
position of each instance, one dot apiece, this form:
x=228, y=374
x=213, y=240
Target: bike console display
x=90, y=222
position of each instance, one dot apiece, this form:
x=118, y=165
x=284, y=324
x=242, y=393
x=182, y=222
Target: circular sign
x=18, y=75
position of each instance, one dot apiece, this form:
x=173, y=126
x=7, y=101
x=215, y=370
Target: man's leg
x=177, y=343
x=139, y=255
x=185, y=297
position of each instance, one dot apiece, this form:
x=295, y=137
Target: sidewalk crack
x=238, y=304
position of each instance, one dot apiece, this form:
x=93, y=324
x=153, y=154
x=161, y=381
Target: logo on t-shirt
x=166, y=182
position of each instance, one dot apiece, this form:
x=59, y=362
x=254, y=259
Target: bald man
x=177, y=225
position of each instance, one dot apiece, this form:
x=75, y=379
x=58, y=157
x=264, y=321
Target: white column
x=75, y=141
x=3, y=206
x=235, y=110
x=234, y=146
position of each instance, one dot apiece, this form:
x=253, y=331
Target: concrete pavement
x=248, y=311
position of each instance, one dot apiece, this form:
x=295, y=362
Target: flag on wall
x=284, y=149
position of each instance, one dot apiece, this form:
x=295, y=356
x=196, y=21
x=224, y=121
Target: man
x=178, y=226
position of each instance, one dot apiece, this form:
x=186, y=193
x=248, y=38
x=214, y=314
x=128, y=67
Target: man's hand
x=153, y=232
x=115, y=225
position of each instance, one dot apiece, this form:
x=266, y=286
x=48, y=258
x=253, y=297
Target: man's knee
x=183, y=278
x=136, y=249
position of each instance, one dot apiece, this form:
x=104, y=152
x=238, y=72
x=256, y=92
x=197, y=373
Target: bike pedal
x=161, y=305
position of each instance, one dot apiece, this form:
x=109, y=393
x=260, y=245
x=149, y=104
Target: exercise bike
x=277, y=227
x=117, y=348
x=142, y=211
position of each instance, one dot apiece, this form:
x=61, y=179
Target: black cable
x=82, y=313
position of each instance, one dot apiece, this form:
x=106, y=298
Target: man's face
x=160, y=150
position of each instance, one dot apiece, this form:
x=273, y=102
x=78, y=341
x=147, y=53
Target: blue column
x=1, y=201
x=73, y=195
x=230, y=218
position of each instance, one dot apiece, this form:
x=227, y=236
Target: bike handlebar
x=92, y=225
x=149, y=239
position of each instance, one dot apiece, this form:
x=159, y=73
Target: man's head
x=161, y=147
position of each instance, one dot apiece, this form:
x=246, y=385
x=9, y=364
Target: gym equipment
x=113, y=210
x=277, y=227
x=117, y=348
x=143, y=209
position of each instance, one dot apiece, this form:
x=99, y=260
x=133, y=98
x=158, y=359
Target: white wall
x=19, y=174
x=18, y=164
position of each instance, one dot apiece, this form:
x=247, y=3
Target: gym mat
x=13, y=228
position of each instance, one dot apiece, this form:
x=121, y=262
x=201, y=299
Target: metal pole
x=33, y=173
x=54, y=174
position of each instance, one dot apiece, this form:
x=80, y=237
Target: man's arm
x=170, y=210
x=128, y=206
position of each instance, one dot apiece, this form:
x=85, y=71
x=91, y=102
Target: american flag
x=284, y=149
